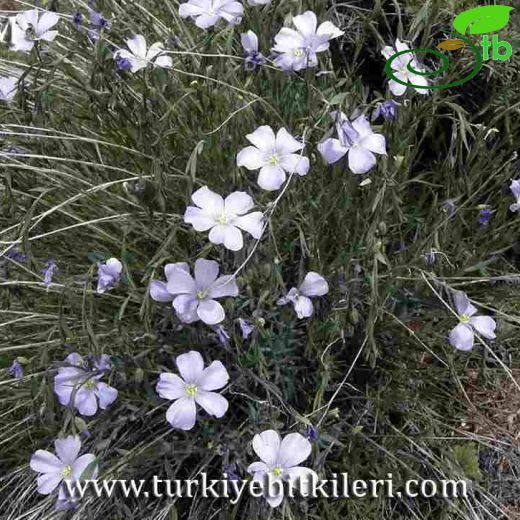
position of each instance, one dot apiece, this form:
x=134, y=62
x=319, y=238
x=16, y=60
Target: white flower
x=8, y=88
x=279, y=462
x=273, y=156
x=462, y=336
x=313, y=285
x=225, y=218
x=140, y=56
x=400, y=68
x=207, y=13
x=356, y=139
x=298, y=48
x=26, y=29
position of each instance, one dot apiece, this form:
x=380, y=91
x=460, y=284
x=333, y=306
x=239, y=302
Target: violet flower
x=66, y=465
x=76, y=381
x=140, y=55
x=484, y=217
x=207, y=13
x=313, y=285
x=279, y=460
x=224, y=218
x=109, y=274
x=195, y=298
x=27, y=28
x=312, y=433
x=462, y=337
x=356, y=139
x=195, y=386
x=400, y=67
x=298, y=49
x=274, y=156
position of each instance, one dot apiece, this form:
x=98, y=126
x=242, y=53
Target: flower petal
x=294, y=449
x=170, y=386
x=211, y=202
x=190, y=366
x=376, y=143
x=249, y=41
x=67, y=449
x=211, y=312
x=303, y=307
x=485, y=326
x=182, y=413
x=81, y=464
x=85, y=401
x=233, y=239
x=238, y=203
x=285, y=143
x=200, y=219
x=47, y=20
x=332, y=150
x=306, y=23
x=263, y=138
x=271, y=178
x=214, y=377
x=185, y=306
x=106, y=395
x=206, y=272
x=314, y=285
x=462, y=337
x=45, y=462
x=463, y=305
x=137, y=46
x=252, y=223
x=251, y=158
x=224, y=286
x=159, y=293
x=266, y=446
x=214, y=404
x=180, y=282
x=48, y=482
x=361, y=160
x=295, y=163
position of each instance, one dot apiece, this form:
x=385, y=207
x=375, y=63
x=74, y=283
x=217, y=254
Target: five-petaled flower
x=298, y=49
x=462, y=336
x=195, y=386
x=195, y=298
x=279, y=462
x=274, y=156
x=515, y=190
x=27, y=28
x=77, y=382
x=109, y=274
x=139, y=56
x=401, y=67
x=66, y=465
x=313, y=285
x=356, y=139
x=207, y=13
x=224, y=217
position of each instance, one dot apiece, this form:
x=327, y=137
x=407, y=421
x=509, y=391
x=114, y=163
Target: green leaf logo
x=482, y=20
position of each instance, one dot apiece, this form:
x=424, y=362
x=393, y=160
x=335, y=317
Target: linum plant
x=118, y=268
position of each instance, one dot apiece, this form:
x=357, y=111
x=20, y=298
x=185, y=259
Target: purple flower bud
x=48, y=272
x=98, y=20
x=484, y=217
x=222, y=335
x=312, y=433
x=387, y=109
x=431, y=257
x=231, y=473
x=16, y=255
x=16, y=369
x=246, y=328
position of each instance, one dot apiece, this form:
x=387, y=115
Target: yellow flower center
x=90, y=384
x=201, y=295
x=191, y=390
x=298, y=53
x=274, y=160
x=222, y=220
x=464, y=318
x=277, y=472
x=66, y=472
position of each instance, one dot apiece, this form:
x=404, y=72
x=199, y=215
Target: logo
x=481, y=20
